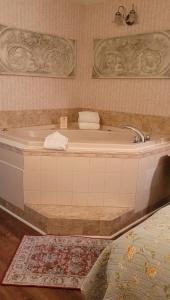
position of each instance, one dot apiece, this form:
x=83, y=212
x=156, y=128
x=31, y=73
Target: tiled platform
x=74, y=220
x=78, y=220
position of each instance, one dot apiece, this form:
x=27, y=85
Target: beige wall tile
x=49, y=163
x=32, y=163
x=65, y=164
x=130, y=165
x=95, y=199
x=149, y=162
x=113, y=165
x=149, y=183
x=129, y=182
x=48, y=181
x=97, y=165
x=129, y=176
x=64, y=198
x=81, y=164
x=32, y=180
x=80, y=182
x=111, y=199
x=80, y=199
x=32, y=197
x=148, y=175
x=127, y=200
x=142, y=200
x=48, y=197
x=96, y=183
x=64, y=181
x=112, y=183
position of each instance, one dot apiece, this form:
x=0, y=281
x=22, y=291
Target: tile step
x=78, y=220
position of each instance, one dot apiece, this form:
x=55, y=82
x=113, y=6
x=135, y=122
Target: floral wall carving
x=142, y=55
x=24, y=52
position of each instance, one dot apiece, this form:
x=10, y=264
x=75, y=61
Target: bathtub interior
x=107, y=137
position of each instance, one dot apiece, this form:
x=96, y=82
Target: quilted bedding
x=136, y=266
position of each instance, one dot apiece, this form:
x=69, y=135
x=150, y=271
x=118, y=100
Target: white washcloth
x=56, y=141
x=84, y=125
x=89, y=117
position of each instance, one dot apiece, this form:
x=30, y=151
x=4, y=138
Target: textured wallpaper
x=146, y=96
x=58, y=17
x=84, y=23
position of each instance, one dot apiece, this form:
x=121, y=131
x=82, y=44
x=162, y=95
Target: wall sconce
x=122, y=17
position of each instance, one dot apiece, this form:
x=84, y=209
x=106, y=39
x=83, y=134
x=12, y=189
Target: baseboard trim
x=22, y=220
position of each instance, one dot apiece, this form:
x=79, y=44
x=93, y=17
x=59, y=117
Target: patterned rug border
x=10, y=262
x=34, y=286
x=16, y=252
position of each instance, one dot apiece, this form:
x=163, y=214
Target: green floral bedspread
x=136, y=266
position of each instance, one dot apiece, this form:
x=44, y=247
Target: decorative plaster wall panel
x=142, y=55
x=24, y=52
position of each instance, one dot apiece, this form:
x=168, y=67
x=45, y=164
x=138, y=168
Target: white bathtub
x=105, y=140
x=100, y=168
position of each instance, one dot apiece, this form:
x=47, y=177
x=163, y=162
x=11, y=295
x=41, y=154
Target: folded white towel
x=84, y=125
x=56, y=141
x=89, y=117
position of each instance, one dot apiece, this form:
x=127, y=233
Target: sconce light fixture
x=122, y=17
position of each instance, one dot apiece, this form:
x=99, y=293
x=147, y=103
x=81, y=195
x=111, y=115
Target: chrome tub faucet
x=140, y=137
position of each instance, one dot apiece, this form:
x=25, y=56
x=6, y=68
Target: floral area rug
x=53, y=261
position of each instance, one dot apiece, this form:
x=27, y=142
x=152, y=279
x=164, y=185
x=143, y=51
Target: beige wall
x=58, y=17
x=83, y=23
x=145, y=96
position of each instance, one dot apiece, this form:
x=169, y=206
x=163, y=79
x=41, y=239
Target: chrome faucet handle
x=147, y=137
x=137, y=139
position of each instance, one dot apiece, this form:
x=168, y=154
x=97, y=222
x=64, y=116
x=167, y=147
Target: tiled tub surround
x=24, y=118
x=74, y=192
x=149, y=123
x=96, y=180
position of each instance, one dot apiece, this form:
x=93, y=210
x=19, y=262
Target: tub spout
x=139, y=135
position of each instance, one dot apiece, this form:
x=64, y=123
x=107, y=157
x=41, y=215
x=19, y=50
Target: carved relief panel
x=143, y=55
x=24, y=52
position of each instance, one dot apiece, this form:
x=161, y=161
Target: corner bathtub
x=99, y=168
x=107, y=140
